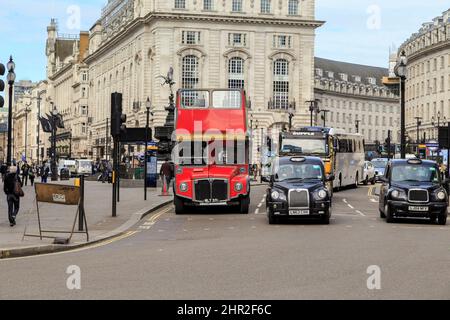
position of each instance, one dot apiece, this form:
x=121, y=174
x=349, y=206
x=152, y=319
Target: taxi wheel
x=433, y=218
x=272, y=219
x=388, y=213
x=442, y=219
x=382, y=215
x=325, y=220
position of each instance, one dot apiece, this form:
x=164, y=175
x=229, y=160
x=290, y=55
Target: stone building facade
x=68, y=91
x=428, y=78
x=355, y=95
x=263, y=46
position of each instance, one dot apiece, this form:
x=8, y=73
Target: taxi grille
x=298, y=199
x=418, y=195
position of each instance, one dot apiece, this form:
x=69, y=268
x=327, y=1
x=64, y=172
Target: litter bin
x=64, y=174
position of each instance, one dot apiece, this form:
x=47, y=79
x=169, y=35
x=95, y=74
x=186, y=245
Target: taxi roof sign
x=298, y=159
x=415, y=161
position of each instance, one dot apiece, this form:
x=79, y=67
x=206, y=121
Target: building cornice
x=174, y=16
x=428, y=51
x=352, y=96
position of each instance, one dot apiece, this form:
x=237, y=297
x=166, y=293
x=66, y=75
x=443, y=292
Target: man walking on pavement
x=166, y=173
x=10, y=189
x=25, y=172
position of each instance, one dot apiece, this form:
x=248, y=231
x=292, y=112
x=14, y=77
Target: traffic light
x=118, y=119
x=2, y=84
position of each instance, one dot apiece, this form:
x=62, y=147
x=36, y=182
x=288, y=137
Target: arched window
x=236, y=73
x=281, y=84
x=190, y=72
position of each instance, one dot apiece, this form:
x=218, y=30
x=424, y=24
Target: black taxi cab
x=413, y=188
x=298, y=190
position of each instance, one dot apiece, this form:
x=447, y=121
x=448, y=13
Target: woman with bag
x=13, y=190
x=32, y=175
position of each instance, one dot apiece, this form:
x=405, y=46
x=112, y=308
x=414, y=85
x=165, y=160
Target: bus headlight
x=184, y=187
x=238, y=187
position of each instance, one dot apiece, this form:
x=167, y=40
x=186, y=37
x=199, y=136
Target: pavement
x=218, y=253
x=101, y=224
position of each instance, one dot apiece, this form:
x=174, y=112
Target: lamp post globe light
x=401, y=71
x=11, y=77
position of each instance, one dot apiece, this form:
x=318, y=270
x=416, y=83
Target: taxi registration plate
x=299, y=212
x=418, y=209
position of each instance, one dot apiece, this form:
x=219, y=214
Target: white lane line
x=260, y=205
x=344, y=200
x=351, y=207
x=257, y=211
x=373, y=200
x=360, y=213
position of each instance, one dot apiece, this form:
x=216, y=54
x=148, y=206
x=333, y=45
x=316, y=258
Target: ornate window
x=180, y=4
x=236, y=73
x=190, y=37
x=265, y=6
x=208, y=5
x=281, y=84
x=293, y=7
x=236, y=6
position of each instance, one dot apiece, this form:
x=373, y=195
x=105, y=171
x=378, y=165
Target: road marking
x=351, y=207
x=259, y=205
x=257, y=211
x=373, y=200
x=360, y=213
x=344, y=200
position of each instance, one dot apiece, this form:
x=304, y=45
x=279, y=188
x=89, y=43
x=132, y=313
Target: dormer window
x=372, y=80
x=330, y=74
x=319, y=72
x=343, y=76
x=357, y=78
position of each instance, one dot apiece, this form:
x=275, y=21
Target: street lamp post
x=27, y=110
x=291, y=112
x=148, y=106
x=400, y=71
x=39, y=125
x=11, y=79
x=324, y=117
x=53, y=160
x=418, y=123
x=433, y=121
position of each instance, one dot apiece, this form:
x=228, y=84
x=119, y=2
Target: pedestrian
x=32, y=175
x=13, y=191
x=166, y=173
x=25, y=173
x=44, y=173
x=3, y=170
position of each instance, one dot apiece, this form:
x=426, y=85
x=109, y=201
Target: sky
x=357, y=31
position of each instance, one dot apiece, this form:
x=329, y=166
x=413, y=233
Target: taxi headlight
x=322, y=194
x=398, y=195
x=275, y=195
x=238, y=187
x=441, y=195
x=184, y=187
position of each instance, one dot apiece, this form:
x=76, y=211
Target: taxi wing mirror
x=330, y=178
x=381, y=179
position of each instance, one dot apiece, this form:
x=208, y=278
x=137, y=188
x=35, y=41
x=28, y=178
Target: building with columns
x=428, y=78
x=355, y=97
x=68, y=89
x=263, y=46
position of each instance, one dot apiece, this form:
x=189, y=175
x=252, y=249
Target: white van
x=83, y=167
x=67, y=164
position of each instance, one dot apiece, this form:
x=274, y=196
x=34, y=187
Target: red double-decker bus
x=211, y=154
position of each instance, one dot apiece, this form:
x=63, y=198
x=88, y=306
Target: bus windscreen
x=305, y=146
